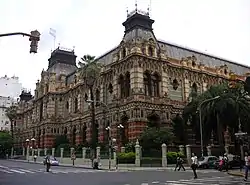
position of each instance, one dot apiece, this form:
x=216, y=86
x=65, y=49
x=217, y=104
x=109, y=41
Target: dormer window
x=225, y=71
x=150, y=51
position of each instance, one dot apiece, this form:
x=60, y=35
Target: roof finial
x=136, y=6
x=127, y=11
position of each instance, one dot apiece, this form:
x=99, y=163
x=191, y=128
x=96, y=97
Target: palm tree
x=221, y=113
x=11, y=113
x=90, y=70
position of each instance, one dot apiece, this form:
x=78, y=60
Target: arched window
x=155, y=83
x=194, y=88
x=121, y=84
x=97, y=97
x=41, y=111
x=147, y=84
x=150, y=51
x=67, y=105
x=76, y=105
x=124, y=53
x=127, y=84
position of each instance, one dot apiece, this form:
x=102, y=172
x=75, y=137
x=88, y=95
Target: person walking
x=179, y=163
x=247, y=165
x=194, y=164
x=225, y=158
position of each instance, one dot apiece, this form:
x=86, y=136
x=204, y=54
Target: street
x=19, y=173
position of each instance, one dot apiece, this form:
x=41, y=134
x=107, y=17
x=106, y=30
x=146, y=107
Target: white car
x=52, y=160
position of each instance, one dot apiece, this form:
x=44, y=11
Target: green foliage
x=129, y=147
x=11, y=113
x=126, y=158
x=60, y=141
x=129, y=158
x=179, y=129
x=172, y=156
x=5, y=143
x=220, y=113
x=153, y=138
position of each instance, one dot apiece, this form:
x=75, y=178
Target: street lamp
x=29, y=147
x=200, y=115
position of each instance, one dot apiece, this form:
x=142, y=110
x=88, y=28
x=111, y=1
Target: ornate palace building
x=143, y=79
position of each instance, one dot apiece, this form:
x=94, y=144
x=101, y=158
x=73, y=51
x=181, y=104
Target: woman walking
x=194, y=164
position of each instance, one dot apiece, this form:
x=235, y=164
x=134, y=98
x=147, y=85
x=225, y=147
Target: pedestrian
x=247, y=165
x=194, y=164
x=225, y=158
x=179, y=163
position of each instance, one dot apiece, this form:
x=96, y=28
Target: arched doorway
x=74, y=136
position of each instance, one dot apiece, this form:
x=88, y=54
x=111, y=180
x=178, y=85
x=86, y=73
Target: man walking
x=179, y=163
x=194, y=164
x=247, y=165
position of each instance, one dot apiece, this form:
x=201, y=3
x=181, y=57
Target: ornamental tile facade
x=142, y=79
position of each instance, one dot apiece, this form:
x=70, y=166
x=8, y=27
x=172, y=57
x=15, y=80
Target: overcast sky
x=219, y=27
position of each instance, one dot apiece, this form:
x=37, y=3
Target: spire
x=136, y=6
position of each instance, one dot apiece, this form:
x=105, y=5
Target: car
x=207, y=162
x=53, y=161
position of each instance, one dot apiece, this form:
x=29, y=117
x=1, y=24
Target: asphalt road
x=18, y=173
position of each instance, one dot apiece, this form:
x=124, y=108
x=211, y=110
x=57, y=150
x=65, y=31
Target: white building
x=5, y=102
x=10, y=86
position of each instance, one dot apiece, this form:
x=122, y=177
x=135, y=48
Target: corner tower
x=62, y=61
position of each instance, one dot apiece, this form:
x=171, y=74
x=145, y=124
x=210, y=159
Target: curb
x=237, y=174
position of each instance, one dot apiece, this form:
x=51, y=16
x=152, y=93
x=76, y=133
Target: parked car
x=207, y=162
x=53, y=161
x=236, y=162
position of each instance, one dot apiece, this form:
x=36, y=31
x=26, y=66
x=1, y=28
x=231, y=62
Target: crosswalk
x=226, y=180
x=54, y=171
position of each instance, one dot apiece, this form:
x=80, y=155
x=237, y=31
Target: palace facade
x=143, y=79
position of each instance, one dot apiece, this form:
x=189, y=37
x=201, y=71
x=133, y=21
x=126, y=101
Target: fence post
x=137, y=154
x=164, y=155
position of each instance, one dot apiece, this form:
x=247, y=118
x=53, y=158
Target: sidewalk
x=236, y=173
x=122, y=168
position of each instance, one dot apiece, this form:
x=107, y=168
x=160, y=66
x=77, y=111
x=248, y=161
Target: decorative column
x=115, y=156
x=122, y=149
x=188, y=152
x=209, y=151
x=164, y=155
x=12, y=152
x=137, y=154
x=98, y=152
x=53, y=152
x=61, y=154
x=45, y=151
x=23, y=151
x=32, y=152
x=83, y=153
x=38, y=152
x=181, y=149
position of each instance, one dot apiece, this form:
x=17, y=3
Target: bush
x=172, y=156
x=126, y=158
x=129, y=158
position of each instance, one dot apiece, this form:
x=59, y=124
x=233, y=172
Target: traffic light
x=34, y=38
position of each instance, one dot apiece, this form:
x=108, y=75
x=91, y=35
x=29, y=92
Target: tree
x=60, y=140
x=153, y=138
x=179, y=129
x=220, y=113
x=6, y=143
x=11, y=113
x=90, y=70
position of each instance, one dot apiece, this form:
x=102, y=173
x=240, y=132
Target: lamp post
x=29, y=147
x=200, y=116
